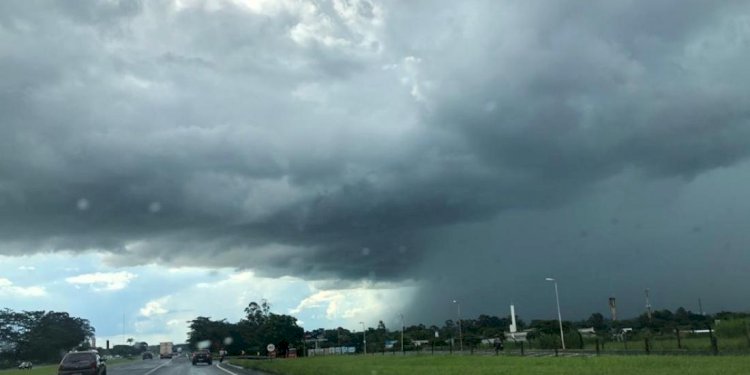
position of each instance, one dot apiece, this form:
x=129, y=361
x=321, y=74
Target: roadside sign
x=270, y=347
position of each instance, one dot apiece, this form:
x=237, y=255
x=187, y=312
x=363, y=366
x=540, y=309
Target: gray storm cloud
x=356, y=139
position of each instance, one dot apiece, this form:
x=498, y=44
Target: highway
x=176, y=366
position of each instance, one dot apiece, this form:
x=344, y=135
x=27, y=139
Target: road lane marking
x=225, y=370
x=158, y=367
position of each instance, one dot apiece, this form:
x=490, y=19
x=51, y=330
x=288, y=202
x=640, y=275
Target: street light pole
x=559, y=316
x=460, y=331
x=402, y=334
x=364, y=338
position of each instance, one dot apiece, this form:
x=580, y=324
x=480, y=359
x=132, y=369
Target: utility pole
x=460, y=331
x=648, y=306
x=402, y=334
x=364, y=338
x=559, y=316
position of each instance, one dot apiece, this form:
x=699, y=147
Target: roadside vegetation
x=40, y=336
x=479, y=365
x=52, y=369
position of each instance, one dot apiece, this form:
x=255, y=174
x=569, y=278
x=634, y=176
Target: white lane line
x=225, y=370
x=235, y=366
x=158, y=367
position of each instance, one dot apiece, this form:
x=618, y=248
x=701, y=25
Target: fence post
x=451, y=346
x=679, y=340
x=580, y=340
x=747, y=333
x=555, y=352
x=521, y=348
x=715, y=345
x=597, y=346
x=648, y=348
x=433, y=348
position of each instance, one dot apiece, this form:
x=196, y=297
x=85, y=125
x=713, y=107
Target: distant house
x=419, y=343
x=622, y=334
x=517, y=336
x=587, y=332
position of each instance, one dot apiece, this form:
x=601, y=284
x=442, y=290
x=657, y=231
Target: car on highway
x=82, y=363
x=202, y=356
x=25, y=366
x=147, y=355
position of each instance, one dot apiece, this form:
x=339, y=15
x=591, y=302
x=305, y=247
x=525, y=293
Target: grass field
x=37, y=370
x=52, y=369
x=480, y=365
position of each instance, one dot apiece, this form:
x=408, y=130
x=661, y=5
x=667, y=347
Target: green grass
x=52, y=369
x=37, y=370
x=480, y=365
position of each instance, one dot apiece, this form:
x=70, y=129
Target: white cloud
x=7, y=288
x=27, y=268
x=103, y=281
x=353, y=304
x=155, y=307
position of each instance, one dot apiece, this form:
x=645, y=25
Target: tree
x=41, y=336
x=597, y=321
x=257, y=314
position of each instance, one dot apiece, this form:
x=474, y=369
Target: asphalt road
x=176, y=366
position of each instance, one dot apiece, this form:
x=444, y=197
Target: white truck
x=165, y=350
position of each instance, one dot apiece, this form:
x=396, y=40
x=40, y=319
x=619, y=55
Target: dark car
x=203, y=356
x=82, y=363
x=147, y=355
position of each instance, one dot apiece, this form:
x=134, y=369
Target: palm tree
x=130, y=340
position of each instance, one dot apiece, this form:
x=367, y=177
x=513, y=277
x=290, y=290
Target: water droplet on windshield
x=82, y=204
x=154, y=207
x=205, y=344
x=365, y=251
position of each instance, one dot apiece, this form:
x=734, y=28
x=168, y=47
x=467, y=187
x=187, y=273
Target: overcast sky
x=353, y=160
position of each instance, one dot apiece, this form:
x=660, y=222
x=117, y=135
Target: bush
x=732, y=328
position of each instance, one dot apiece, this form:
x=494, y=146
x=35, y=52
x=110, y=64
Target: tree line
x=261, y=327
x=40, y=336
x=250, y=335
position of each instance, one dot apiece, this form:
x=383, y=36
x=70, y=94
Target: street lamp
x=364, y=338
x=559, y=316
x=460, y=334
x=402, y=334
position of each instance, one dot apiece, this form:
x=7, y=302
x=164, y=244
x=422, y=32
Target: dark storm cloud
x=339, y=140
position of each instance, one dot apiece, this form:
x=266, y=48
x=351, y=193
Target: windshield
x=262, y=179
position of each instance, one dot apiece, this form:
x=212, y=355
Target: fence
x=653, y=345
